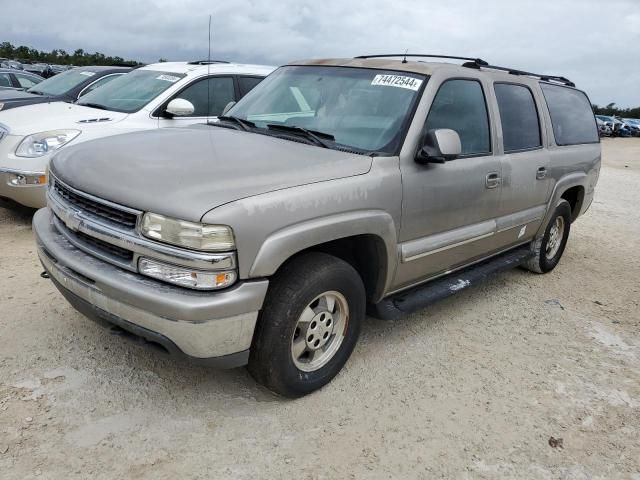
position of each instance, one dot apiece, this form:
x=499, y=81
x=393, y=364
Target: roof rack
x=206, y=62
x=478, y=63
x=513, y=71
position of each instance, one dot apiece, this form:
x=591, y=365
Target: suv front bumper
x=213, y=326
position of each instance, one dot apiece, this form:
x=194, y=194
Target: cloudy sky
x=595, y=43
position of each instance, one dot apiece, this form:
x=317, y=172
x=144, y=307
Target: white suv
x=160, y=95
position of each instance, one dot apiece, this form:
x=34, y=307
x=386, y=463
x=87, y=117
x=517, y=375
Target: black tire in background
x=308, y=278
x=549, y=248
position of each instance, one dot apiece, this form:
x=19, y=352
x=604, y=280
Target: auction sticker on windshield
x=399, y=81
x=88, y=74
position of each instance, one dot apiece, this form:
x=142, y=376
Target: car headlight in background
x=186, y=277
x=40, y=144
x=198, y=236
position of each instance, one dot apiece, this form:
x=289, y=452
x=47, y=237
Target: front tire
x=548, y=249
x=309, y=324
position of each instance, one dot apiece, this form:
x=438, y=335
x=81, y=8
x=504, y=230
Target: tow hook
x=45, y=275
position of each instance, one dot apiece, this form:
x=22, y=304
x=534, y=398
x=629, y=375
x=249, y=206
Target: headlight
x=210, y=238
x=185, y=277
x=40, y=144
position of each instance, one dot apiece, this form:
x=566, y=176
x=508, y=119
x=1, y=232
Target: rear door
x=524, y=162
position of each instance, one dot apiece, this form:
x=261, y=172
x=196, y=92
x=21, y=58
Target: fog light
x=21, y=180
x=186, y=277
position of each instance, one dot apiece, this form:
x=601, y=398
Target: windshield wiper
x=94, y=105
x=314, y=135
x=244, y=124
x=35, y=92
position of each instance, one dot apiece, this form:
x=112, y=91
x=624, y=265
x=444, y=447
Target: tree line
x=56, y=56
x=611, y=110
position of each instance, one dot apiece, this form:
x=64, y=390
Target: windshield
x=62, y=83
x=363, y=109
x=130, y=92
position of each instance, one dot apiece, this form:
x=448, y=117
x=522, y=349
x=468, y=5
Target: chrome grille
x=110, y=214
x=118, y=252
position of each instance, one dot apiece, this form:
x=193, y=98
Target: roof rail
x=513, y=71
x=477, y=61
x=206, y=62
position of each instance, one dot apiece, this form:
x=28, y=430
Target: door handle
x=492, y=180
x=541, y=173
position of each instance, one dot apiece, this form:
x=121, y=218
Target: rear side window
x=571, y=115
x=460, y=106
x=519, y=117
x=5, y=80
x=246, y=84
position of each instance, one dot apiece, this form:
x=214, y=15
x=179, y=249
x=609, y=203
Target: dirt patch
x=475, y=386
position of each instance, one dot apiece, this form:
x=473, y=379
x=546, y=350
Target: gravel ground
x=472, y=387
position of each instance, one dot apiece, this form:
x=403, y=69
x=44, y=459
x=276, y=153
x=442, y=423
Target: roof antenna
x=209, y=73
x=404, y=60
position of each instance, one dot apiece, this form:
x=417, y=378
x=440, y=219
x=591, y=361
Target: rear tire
x=548, y=249
x=309, y=324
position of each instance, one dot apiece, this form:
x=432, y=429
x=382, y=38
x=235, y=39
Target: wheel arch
x=366, y=240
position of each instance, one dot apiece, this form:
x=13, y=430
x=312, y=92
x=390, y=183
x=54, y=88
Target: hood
x=18, y=98
x=52, y=116
x=185, y=172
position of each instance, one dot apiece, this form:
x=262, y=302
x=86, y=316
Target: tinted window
x=5, y=80
x=220, y=92
x=460, y=106
x=246, y=84
x=27, y=81
x=519, y=117
x=571, y=115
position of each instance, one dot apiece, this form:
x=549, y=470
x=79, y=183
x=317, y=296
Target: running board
x=409, y=301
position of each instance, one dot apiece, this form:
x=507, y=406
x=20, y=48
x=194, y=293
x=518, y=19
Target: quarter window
x=220, y=92
x=518, y=116
x=571, y=115
x=460, y=105
x=26, y=81
x=246, y=84
x=5, y=80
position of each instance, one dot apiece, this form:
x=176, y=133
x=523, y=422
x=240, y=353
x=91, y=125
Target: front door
x=209, y=96
x=449, y=209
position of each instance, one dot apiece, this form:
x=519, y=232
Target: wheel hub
x=319, y=331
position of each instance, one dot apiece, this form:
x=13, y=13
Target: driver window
x=460, y=105
x=221, y=91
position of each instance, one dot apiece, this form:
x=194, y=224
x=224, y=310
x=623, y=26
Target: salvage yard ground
x=473, y=387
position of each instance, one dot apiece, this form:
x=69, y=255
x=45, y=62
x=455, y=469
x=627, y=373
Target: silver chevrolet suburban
x=334, y=189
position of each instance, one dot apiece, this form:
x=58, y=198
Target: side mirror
x=440, y=145
x=180, y=107
x=228, y=107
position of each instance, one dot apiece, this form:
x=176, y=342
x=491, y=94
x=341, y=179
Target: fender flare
x=575, y=179
x=282, y=244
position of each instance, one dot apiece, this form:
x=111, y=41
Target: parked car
x=16, y=80
x=41, y=69
x=334, y=186
x=160, y=95
x=634, y=125
x=11, y=64
x=603, y=128
x=66, y=87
